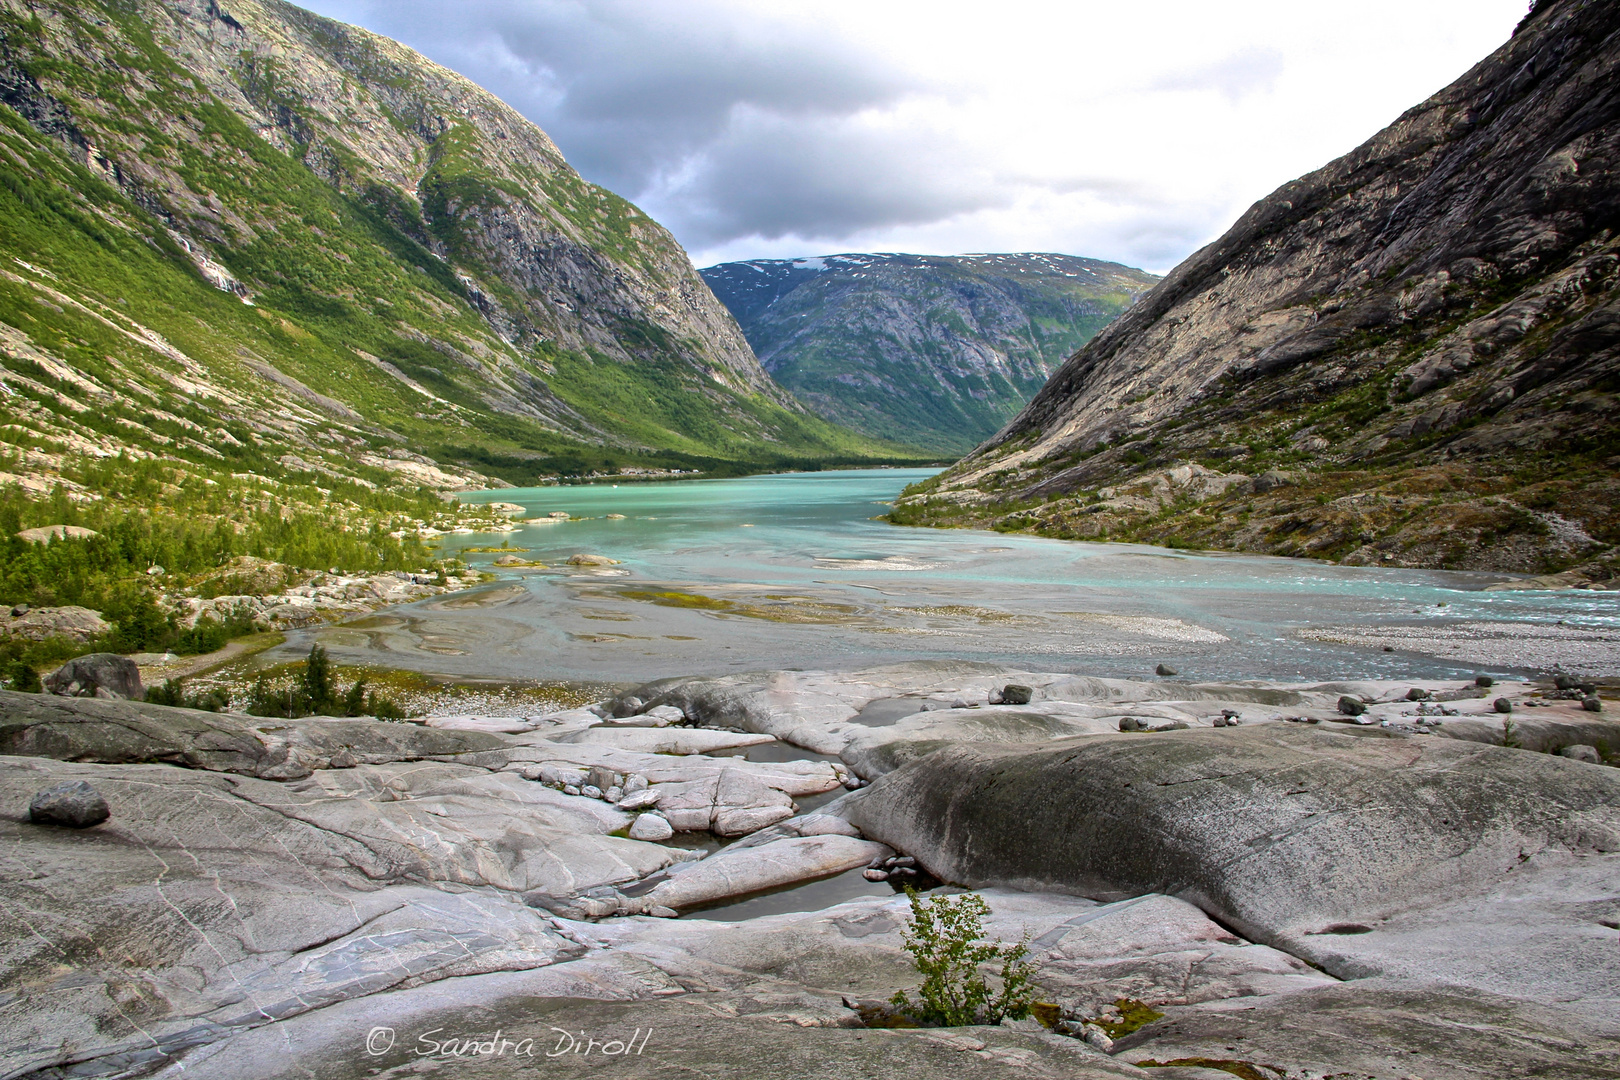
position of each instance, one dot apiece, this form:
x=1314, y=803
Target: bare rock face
x=37, y=624
x=1435, y=311
x=1367, y=854
x=98, y=675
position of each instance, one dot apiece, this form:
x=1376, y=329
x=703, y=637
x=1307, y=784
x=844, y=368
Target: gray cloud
x=727, y=127
x=754, y=128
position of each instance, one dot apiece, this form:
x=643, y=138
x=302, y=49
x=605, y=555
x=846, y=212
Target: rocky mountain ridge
x=934, y=350
x=264, y=242
x=1408, y=357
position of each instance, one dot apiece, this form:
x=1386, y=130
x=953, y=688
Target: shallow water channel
x=791, y=571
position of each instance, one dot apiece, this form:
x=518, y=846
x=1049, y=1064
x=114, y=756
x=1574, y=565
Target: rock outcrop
x=937, y=351
x=1367, y=854
x=1405, y=358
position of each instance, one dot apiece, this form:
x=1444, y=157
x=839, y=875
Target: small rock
x=874, y=874
x=650, y=827
x=903, y=860
x=591, y=791
x=642, y=799
x=659, y=911
x=1013, y=694
x=19, y=611
x=1130, y=723
x=601, y=777
x=664, y=715
x=1566, y=682
x=630, y=706
x=994, y=697
x=1502, y=705
x=613, y=794
x=73, y=803
x=570, y=789
x=1582, y=752
x=1417, y=693
x=1350, y=706
x=1097, y=1037
x=1164, y=669
x=635, y=782
x=1591, y=704
x=1484, y=681
x=1173, y=725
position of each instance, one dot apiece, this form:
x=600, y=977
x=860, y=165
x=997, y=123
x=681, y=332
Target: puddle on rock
x=885, y=712
x=810, y=896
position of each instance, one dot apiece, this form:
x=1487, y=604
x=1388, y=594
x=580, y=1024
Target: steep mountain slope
x=240, y=237
x=935, y=351
x=1410, y=357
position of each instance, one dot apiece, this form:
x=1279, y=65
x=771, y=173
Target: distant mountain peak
x=955, y=343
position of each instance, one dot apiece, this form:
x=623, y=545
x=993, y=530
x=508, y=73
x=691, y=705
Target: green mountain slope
x=241, y=239
x=936, y=351
x=1410, y=357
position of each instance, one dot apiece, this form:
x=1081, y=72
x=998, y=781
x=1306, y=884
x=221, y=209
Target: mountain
x=934, y=351
x=1409, y=357
x=237, y=237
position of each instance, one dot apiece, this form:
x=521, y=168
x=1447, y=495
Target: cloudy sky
x=778, y=128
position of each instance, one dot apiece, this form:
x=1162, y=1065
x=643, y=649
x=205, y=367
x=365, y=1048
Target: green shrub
x=21, y=676
x=313, y=692
x=173, y=692
x=944, y=937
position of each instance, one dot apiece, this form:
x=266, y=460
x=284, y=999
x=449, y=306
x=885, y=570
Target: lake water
x=791, y=571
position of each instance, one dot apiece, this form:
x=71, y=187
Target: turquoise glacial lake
x=792, y=571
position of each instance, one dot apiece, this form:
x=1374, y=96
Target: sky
x=1134, y=132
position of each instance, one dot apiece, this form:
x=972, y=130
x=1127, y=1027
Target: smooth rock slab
x=73, y=803
x=768, y=866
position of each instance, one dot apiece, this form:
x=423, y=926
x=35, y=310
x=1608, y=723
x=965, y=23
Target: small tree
x=945, y=939
x=317, y=683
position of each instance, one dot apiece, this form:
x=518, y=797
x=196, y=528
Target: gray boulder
x=1577, y=752
x=1330, y=844
x=1014, y=694
x=99, y=675
x=73, y=803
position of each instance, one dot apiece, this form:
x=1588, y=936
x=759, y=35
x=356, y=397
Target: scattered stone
x=634, y=783
x=73, y=803
x=1417, y=693
x=1350, y=706
x=1013, y=694
x=591, y=791
x=659, y=911
x=1484, y=681
x=1164, y=669
x=571, y=789
x=650, y=827
x=1566, y=682
x=1591, y=704
x=99, y=675
x=1096, y=1037
x=1502, y=705
x=642, y=799
x=1131, y=723
x=873, y=873
x=1580, y=752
